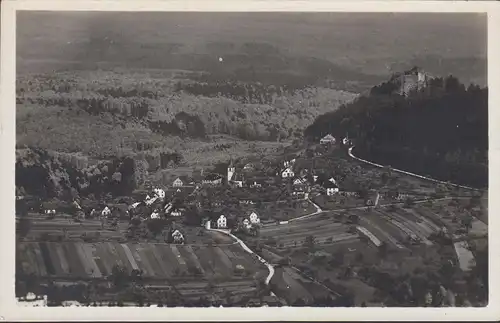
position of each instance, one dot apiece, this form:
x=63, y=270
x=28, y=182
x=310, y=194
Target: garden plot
x=380, y=230
x=410, y=229
x=157, y=261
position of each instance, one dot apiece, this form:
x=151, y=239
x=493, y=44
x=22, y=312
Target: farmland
x=191, y=272
x=343, y=249
x=63, y=228
x=69, y=261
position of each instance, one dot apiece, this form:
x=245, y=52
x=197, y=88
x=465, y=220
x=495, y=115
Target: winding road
x=250, y=251
x=411, y=174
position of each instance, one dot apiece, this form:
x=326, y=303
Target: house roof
x=212, y=177
x=328, y=137
x=328, y=184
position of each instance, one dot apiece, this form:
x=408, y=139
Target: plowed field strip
x=178, y=256
x=130, y=256
x=105, y=263
x=206, y=261
x=141, y=250
x=170, y=259
x=188, y=254
x=62, y=258
x=379, y=233
x=158, y=271
x=74, y=260
x=101, y=270
x=138, y=259
x=42, y=266
x=161, y=261
x=89, y=258
x=46, y=258
x=123, y=256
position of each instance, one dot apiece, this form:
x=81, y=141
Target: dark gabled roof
x=328, y=184
x=212, y=177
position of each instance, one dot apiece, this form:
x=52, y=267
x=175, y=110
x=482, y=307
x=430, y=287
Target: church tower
x=230, y=170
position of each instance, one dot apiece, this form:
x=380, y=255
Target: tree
x=310, y=241
x=23, y=226
x=119, y=276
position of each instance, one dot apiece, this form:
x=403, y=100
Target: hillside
x=441, y=130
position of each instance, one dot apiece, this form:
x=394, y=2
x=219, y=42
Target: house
x=206, y=222
x=150, y=200
x=289, y=163
x=287, y=173
x=331, y=188
x=168, y=207
x=212, y=179
x=347, y=142
x=299, y=181
x=246, y=223
x=177, y=212
x=328, y=139
x=177, y=237
x=106, y=212
x=254, y=218
x=222, y=222
x=231, y=170
x=255, y=184
x=248, y=167
x=178, y=182
x=237, y=180
x=155, y=215
x=159, y=193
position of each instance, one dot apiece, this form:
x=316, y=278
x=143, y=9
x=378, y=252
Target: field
x=73, y=261
x=292, y=235
x=53, y=230
x=327, y=248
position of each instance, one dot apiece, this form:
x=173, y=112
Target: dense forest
x=440, y=130
x=49, y=174
x=171, y=105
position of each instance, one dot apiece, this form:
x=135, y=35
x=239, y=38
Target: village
x=310, y=197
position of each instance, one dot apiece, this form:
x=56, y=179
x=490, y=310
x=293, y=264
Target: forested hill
x=440, y=130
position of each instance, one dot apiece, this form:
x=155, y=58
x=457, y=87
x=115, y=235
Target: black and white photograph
x=251, y=159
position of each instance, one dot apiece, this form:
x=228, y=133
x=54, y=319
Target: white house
x=332, y=190
x=159, y=193
x=237, y=183
x=177, y=183
x=248, y=166
x=176, y=213
x=222, y=222
x=50, y=211
x=298, y=181
x=168, y=207
x=346, y=141
x=332, y=180
x=106, y=211
x=289, y=163
x=246, y=223
x=150, y=200
x=328, y=139
x=287, y=173
x=155, y=215
x=230, y=171
x=254, y=218
x=178, y=237
x=255, y=184
x=315, y=178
